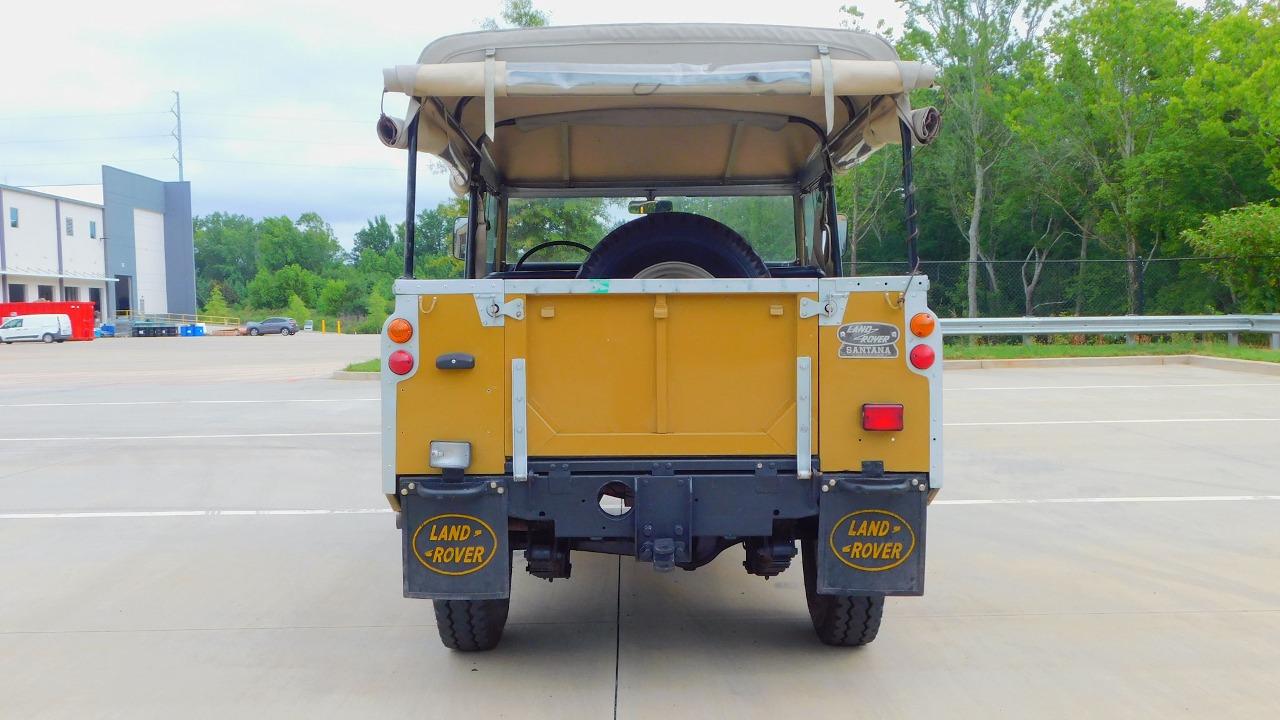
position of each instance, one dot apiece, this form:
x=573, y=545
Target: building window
x=17, y=292
x=44, y=292
x=71, y=293
x=93, y=229
x=13, y=217
x=71, y=227
x=95, y=297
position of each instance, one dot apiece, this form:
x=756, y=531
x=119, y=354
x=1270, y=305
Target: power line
x=306, y=165
x=80, y=115
x=85, y=162
x=371, y=143
x=79, y=139
x=280, y=117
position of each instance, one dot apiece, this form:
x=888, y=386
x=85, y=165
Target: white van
x=45, y=328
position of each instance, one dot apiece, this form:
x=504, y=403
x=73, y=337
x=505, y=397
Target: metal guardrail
x=179, y=318
x=1127, y=325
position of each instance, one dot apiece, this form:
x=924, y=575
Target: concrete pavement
x=114, y=603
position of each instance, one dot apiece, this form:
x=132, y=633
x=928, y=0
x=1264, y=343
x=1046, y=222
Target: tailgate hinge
x=493, y=310
x=829, y=307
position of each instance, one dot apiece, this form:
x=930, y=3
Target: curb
x=358, y=376
x=1249, y=366
x=1207, y=361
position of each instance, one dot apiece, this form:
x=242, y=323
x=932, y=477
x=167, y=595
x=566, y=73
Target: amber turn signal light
x=400, y=330
x=923, y=324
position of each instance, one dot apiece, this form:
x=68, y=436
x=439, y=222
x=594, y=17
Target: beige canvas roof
x=614, y=105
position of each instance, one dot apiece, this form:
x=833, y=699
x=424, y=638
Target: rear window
x=767, y=223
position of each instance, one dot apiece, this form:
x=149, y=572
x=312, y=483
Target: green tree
x=378, y=308
x=298, y=309
x=518, y=13
x=216, y=305
x=375, y=239
x=271, y=290
x=1117, y=63
x=340, y=297
x=530, y=222
x=980, y=45
x=226, y=252
x=1248, y=240
x=308, y=243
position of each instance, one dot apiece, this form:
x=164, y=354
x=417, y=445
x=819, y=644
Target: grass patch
x=372, y=366
x=960, y=350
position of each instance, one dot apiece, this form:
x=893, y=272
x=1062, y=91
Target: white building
x=125, y=245
x=52, y=248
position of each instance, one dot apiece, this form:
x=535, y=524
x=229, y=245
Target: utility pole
x=176, y=110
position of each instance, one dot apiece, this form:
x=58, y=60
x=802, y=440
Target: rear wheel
x=46, y=338
x=842, y=620
x=284, y=331
x=471, y=625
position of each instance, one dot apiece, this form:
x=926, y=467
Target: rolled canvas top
x=712, y=84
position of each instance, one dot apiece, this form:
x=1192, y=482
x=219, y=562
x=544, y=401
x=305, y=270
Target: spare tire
x=673, y=245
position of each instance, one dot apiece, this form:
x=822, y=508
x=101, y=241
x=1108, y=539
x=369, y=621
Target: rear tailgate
x=655, y=368
x=628, y=369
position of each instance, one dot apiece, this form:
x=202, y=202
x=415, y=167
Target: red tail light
x=400, y=362
x=881, y=416
x=922, y=357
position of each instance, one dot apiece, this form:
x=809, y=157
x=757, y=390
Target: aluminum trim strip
x=519, y=423
x=804, y=418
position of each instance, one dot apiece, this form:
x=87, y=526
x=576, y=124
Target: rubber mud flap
x=454, y=539
x=871, y=536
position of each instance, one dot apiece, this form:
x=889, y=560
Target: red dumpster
x=80, y=312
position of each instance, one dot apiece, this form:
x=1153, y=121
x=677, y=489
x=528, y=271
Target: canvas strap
x=489, y=73
x=828, y=88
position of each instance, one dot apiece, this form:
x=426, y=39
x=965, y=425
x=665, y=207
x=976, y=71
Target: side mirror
x=842, y=228
x=460, y=238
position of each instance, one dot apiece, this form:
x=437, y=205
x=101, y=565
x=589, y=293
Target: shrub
x=1248, y=238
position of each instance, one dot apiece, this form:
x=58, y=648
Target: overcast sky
x=279, y=98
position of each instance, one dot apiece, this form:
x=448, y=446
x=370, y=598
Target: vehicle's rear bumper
x=868, y=527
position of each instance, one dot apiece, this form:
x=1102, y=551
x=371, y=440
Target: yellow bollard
x=322, y=326
x=339, y=322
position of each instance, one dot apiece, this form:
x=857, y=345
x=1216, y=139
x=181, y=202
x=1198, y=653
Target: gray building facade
x=131, y=251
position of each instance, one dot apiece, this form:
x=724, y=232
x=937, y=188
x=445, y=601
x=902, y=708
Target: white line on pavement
x=1108, y=422
x=1117, y=387
x=1070, y=501
x=186, y=437
x=382, y=511
x=186, y=402
x=184, y=513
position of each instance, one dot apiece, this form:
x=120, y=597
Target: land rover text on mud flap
x=703, y=377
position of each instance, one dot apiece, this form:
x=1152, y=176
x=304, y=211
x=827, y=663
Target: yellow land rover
x=702, y=377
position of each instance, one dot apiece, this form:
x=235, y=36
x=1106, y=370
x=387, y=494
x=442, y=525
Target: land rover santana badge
x=868, y=340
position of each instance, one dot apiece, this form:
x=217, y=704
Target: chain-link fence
x=1010, y=288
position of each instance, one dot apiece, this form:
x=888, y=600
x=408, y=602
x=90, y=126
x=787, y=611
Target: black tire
x=255, y=331
x=840, y=620
x=673, y=237
x=46, y=338
x=471, y=625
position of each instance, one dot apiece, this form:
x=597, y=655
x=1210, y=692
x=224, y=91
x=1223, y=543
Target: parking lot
x=194, y=528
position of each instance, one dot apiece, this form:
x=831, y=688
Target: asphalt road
x=1107, y=545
